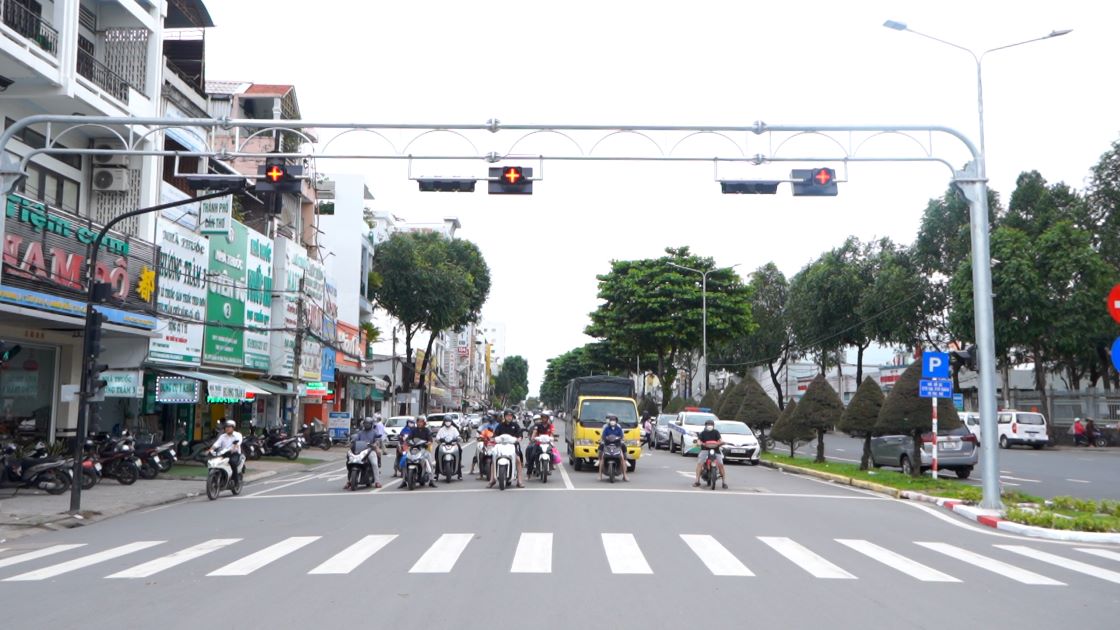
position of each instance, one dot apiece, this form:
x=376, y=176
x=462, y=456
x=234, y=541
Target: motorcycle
x=279, y=444
x=219, y=475
x=118, y=459
x=544, y=460
x=447, y=454
x=709, y=471
x=47, y=474
x=414, y=470
x=613, y=456
x=359, y=464
x=152, y=461
x=505, y=459
x=485, y=455
x=322, y=439
x=253, y=447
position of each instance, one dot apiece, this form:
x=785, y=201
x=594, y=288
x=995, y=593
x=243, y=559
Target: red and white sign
x=1114, y=303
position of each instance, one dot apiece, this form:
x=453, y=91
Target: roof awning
x=351, y=371
x=222, y=387
x=278, y=389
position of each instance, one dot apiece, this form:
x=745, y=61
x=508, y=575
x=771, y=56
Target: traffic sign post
x=1116, y=354
x=935, y=367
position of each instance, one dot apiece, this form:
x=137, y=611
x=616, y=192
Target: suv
x=1022, y=427
x=661, y=429
x=956, y=451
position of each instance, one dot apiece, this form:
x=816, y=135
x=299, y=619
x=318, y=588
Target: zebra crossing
x=622, y=552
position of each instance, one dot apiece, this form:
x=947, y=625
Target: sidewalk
x=31, y=511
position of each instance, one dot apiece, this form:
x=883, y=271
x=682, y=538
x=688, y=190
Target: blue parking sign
x=935, y=365
x=1116, y=354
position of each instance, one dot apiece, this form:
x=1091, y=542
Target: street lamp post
x=704, y=312
x=974, y=186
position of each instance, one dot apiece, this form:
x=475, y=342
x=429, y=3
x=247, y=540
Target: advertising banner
x=258, y=305
x=225, y=299
x=350, y=346
x=288, y=263
x=215, y=216
x=184, y=258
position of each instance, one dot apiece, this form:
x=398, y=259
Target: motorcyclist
x=368, y=434
x=509, y=427
x=229, y=441
x=424, y=434
x=710, y=438
x=612, y=429
x=402, y=449
x=543, y=426
x=485, y=434
x=379, y=429
x=451, y=432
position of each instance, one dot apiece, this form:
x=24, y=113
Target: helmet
x=229, y=424
x=420, y=419
x=710, y=423
x=545, y=413
x=507, y=412
x=377, y=417
x=612, y=418
x=367, y=424
x=447, y=422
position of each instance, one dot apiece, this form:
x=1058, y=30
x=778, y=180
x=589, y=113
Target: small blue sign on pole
x=935, y=365
x=1116, y=354
x=958, y=401
x=928, y=388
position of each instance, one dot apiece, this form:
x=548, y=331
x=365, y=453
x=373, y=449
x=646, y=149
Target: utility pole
x=297, y=360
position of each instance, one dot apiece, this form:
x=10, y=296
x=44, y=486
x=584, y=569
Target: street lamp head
x=898, y=26
x=1059, y=33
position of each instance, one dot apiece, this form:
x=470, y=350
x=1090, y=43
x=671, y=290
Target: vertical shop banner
x=258, y=305
x=349, y=346
x=215, y=216
x=328, y=364
x=310, y=360
x=314, y=296
x=225, y=298
x=289, y=262
x=184, y=258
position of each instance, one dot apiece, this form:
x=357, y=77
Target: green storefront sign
x=225, y=298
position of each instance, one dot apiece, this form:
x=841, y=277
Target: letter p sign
x=935, y=365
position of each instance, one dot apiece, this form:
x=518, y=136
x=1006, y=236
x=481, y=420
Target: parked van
x=971, y=420
x=1022, y=427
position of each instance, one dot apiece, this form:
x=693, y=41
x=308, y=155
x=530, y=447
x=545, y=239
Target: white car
x=740, y=443
x=971, y=420
x=687, y=426
x=1022, y=427
x=393, y=428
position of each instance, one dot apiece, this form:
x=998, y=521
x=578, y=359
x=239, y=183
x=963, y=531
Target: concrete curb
x=990, y=518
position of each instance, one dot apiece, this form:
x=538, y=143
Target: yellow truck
x=588, y=401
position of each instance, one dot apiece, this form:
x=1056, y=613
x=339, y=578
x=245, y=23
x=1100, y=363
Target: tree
x=512, y=382
x=710, y=399
x=532, y=403
x=819, y=410
x=757, y=409
x=730, y=401
x=649, y=307
x=906, y=413
x=1102, y=210
x=677, y=404
x=862, y=414
x=788, y=432
x=648, y=406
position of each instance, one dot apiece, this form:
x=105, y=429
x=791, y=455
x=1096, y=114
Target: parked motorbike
x=359, y=464
x=118, y=459
x=505, y=460
x=219, y=475
x=543, y=466
x=253, y=446
x=414, y=469
x=322, y=439
x=447, y=457
x=613, y=456
x=152, y=463
x=709, y=471
x=278, y=443
x=47, y=474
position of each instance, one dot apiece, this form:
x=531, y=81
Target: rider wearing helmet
x=367, y=433
x=612, y=429
x=402, y=439
x=229, y=442
x=423, y=433
x=509, y=427
x=450, y=432
x=543, y=426
x=709, y=437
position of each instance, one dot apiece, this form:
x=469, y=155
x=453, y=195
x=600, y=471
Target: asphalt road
x=1090, y=473
x=776, y=550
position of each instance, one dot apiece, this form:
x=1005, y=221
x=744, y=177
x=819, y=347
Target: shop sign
x=53, y=303
x=20, y=384
x=176, y=390
x=215, y=216
x=289, y=261
x=124, y=383
x=317, y=388
x=311, y=360
x=328, y=364
x=225, y=392
x=44, y=250
x=184, y=258
x=339, y=423
x=314, y=293
x=225, y=298
x=350, y=345
x=258, y=303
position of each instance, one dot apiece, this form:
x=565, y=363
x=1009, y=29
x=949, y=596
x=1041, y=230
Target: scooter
x=447, y=454
x=414, y=469
x=118, y=459
x=278, y=443
x=219, y=475
x=152, y=463
x=322, y=439
x=485, y=454
x=359, y=464
x=544, y=460
x=709, y=471
x=613, y=456
x=505, y=459
x=49, y=475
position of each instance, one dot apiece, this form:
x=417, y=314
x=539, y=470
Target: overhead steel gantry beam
x=851, y=142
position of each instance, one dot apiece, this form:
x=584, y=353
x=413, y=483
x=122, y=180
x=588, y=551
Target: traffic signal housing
x=446, y=184
x=95, y=380
x=277, y=176
x=8, y=351
x=964, y=358
x=748, y=186
x=815, y=182
x=510, y=180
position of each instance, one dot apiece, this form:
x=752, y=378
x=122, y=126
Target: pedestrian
x=1090, y=431
x=1078, y=431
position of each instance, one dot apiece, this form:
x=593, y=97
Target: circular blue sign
x=1116, y=354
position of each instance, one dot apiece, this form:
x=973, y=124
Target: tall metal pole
x=704, y=311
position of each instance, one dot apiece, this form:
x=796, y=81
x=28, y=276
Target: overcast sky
x=1050, y=106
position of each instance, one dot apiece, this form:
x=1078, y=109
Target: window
x=36, y=140
x=45, y=185
x=26, y=393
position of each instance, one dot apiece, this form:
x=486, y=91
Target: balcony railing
x=102, y=76
x=23, y=21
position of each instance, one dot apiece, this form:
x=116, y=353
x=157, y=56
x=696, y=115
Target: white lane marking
x=624, y=555
x=1019, y=479
x=812, y=563
x=38, y=553
x=254, y=561
x=567, y=480
x=350, y=558
x=870, y=496
x=1079, y=481
x=443, y=554
x=534, y=554
x=896, y=561
x=991, y=564
x=1100, y=553
x=179, y=557
x=715, y=556
x=285, y=485
x=84, y=561
x=1065, y=563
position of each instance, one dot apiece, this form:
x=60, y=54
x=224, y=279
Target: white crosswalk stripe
x=991, y=564
x=815, y=565
x=350, y=558
x=533, y=555
x=1065, y=563
x=179, y=557
x=84, y=561
x=443, y=554
x=624, y=555
x=897, y=561
x=38, y=553
x=715, y=556
x=1100, y=553
x=270, y=554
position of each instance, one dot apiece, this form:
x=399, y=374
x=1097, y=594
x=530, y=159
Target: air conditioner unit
x=109, y=160
x=110, y=179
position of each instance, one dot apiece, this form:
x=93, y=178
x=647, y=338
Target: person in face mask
x=710, y=438
x=449, y=431
x=612, y=429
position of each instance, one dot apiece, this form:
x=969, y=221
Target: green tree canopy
x=862, y=415
x=757, y=409
x=819, y=410
x=730, y=401
x=905, y=412
x=677, y=404
x=788, y=432
x=710, y=398
x=512, y=383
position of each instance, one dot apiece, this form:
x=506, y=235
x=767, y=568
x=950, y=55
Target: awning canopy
x=351, y=371
x=277, y=389
x=222, y=387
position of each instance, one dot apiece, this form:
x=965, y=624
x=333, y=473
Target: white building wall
x=342, y=235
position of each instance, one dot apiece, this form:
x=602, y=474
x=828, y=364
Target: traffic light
x=276, y=175
x=748, y=186
x=511, y=180
x=964, y=358
x=215, y=183
x=816, y=182
x=8, y=351
x=446, y=184
x=95, y=382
